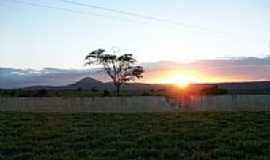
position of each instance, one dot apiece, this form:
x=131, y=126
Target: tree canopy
x=120, y=69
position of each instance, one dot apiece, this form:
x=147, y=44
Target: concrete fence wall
x=95, y=104
x=226, y=103
x=137, y=104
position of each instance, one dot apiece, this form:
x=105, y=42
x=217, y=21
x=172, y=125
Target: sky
x=37, y=37
x=181, y=31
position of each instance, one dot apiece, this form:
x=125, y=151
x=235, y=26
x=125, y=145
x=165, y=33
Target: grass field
x=190, y=136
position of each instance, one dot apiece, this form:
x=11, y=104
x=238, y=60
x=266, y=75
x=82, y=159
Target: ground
x=175, y=136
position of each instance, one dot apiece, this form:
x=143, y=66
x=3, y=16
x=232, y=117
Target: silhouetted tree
x=121, y=69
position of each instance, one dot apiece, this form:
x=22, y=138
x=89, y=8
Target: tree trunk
x=117, y=90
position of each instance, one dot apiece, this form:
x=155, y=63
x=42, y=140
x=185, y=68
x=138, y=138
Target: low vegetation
x=103, y=93
x=76, y=93
x=152, y=136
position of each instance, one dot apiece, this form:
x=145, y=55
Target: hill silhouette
x=85, y=83
x=88, y=83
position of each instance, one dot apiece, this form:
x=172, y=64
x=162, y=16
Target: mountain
x=89, y=83
x=86, y=83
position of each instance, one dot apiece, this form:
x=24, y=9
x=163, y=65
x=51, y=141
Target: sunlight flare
x=180, y=78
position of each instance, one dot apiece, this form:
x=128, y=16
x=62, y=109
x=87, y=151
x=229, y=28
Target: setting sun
x=180, y=81
x=183, y=84
x=181, y=78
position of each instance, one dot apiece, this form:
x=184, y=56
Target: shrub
x=106, y=93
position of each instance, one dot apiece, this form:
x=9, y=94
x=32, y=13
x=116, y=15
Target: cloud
x=226, y=69
x=215, y=70
x=16, y=78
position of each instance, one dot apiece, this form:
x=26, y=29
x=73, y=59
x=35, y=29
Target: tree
x=120, y=69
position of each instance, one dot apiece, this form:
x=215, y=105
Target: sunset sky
x=57, y=33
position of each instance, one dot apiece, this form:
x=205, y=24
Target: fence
x=91, y=104
x=137, y=104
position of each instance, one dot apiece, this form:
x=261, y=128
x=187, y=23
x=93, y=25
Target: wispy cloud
x=227, y=69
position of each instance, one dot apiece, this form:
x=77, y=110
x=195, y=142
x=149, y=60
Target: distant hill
x=247, y=87
x=89, y=83
x=257, y=85
x=85, y=83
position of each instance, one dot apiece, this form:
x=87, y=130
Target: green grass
x=190, y=136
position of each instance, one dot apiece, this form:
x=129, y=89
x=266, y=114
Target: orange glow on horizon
x=183, y=78
x=181, y=81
